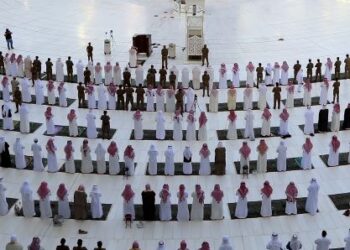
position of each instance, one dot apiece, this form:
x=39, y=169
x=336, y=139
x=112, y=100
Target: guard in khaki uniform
x=205, y=55
x=336, y=86
x=89, y=50
x=347, y=66
x=318, y=66
x=126, y=77
x=172, y=79
x=259, y=75
x=309, y=68
x=129, y=97
x=120, y=98
x=162, y=76
x=37, y=68
x=81, y=95
x=17, y=98
x=220, y=160
x=140, y=97
x=106, y=127
x=296, y=68
x=165, y=53
x=337, y=68
x=87, y=76
x=69, y=65
x=179, y=96
x=205, y=80
x=48, y=69
x=276, y=96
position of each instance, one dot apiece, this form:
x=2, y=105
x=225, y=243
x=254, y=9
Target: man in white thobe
x=249, y=126
x=139, y=77
x=37, y=158
x=100, y=152
x=274, y=243
x=169, y=161
x=225, y=245
x=309, y=121
x=311, y=204
x=80, y=71
x=91, y=125
x=18, y=149
x=24, y=119
x=281, y=157
x=196, y=77
x=160, y=131
x=323, y=243
x=190, y=99
x=185, y=78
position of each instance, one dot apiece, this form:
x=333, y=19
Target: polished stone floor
x=235, y=31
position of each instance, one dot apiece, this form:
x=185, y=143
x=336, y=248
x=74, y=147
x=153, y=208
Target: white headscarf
x=161, y=246
x=187, y=152
x=26, y=189
x=100, y=149
x=225, y=245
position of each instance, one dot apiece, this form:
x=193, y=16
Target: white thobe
x=169, y=167
x=139, y=78
x=117, y=75
x=324, y=94
x=309, y=122
x=274, y=245
x=4, y=207
x=100, y=159
x=307, y=97
x=214, y=102
x=202, y=133
x=160, y=130
x=241, y=207
x=150, y=100
x=129, y=208
x=222, y=81
x=290, y=99
x=20, y=72
x=132, y=58
x=51, y=98
x=24, y=119
x=312, y=199
x=196, y=78
x=306, y=160
x=284, y=77
x=247, y=101
x=217, y=210
x=281, y=158
x=50, y=126
x=262, y=96
x=177, y=129
x=52, y=165
x=86, y=162
x=189, y=99
x=333, y=157
x=91, y=126
x=69, y=164
x=111, y=101
x=170, y=103
x=80, y=71
x=73, y=127
x=210, y=72
x=98, y=77
x=250, y=77
x=322, y=244
x=63, y=207
x=45, y=207
x=283, y=127
x=249, y=126
x=108, y=77
x=13, y=68
x=262, y=162
x=231, y=130
x=25, y=87
x=165, y=209
x=235, y=79
x=187, y=166
x=204, y=165
x=160, y=101
x=6, y=93
x=183, y=214
x=91, y=100
x=96, y=206
x=114, y=167
x=185, y=77
x=191, y=131
x=197, y=210
x=266, y=127
x=152, y=162
x=37, y=159
x=39, y=92
x=59, y=71
x=328, y=72
x=129, y=164
x=291, y=207
x=276, y=75
x=335, y=124
x=28, y=204
x=266, y=209
x=300, y=79
x=20, y=161
x=138, y=131
x=102, y=100
x=62, y=99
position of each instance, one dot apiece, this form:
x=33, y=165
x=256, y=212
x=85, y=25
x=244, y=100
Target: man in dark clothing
x=205, y=80
x=318, y=70
x=2, y=64
x=346, y=122
x=89, y=50
x=99, y=246
x=151, y=76
x=259, y=75
x=346, y=62
x=17, y=98
x=179, y=96
x=105, y=127
x=81, y=95
x=8, y=37
x=162, y=76
x=296, y=68
x=322, y=124
x=87, y=76
x=37, y=66
x=129, y=98
x=140, y=92
x=126, y=77
x=220, y=160
x=165, y=53
x=79, y=245
x=63, y=245
x=309, y=68
x=148, y=203
x=276, y=96
x=49, y=69
x=336, y=86
x=337, y=65
x=172, y=79
x=205, y=55
x=120, y=98
x=34, y=74
x=69, y=65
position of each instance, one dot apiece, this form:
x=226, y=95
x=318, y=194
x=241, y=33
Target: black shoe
x=16, y=111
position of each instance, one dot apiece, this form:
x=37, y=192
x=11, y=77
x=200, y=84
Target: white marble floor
x=235, y=31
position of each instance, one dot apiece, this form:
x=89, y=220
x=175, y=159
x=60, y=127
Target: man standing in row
x=205, y=80
x=106, y=127
x=276, y=96
x=336, y=86
x=89, y=50
x=259, y=75
x=346, y=62
x=165, y=53
x=318, y=66
x=162, y=76
x=120, y=98
x=49, y=69
x=205, y=55
x=309, y=68
x=69, y=65
x=296, y=68
x=140, y=92
x=2, y=64
x=81, y=95
x=36, y=74
x=8, y=37
x=337, y=64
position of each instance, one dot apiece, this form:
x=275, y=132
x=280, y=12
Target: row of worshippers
x=198, y=196
x=80, y=201
x=69, y=165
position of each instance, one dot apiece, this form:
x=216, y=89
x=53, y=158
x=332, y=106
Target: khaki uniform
x=259, y=75
x=172, y=80
x=89, y=50
x=151, y=79
x=14, y=85
x=337, y=68
x=309, y=68
x=80, y=205
x=129, y=97
x=205, y=80
x=205, y=55
x=318, y=71
x=17, y=98
x=120, y=99
x=179, y=101
x=37, y=66
x=164, y=53
x=87, y=76
x=106, y=128
x=336, y=86
x=296, y=68
x=276, y=97
x=48, y=70
x=162, y=77
x=347, y=67
x=140, y=92
x=220, y=161
x=69, y=65
x=126, y=78
x=81, y=96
